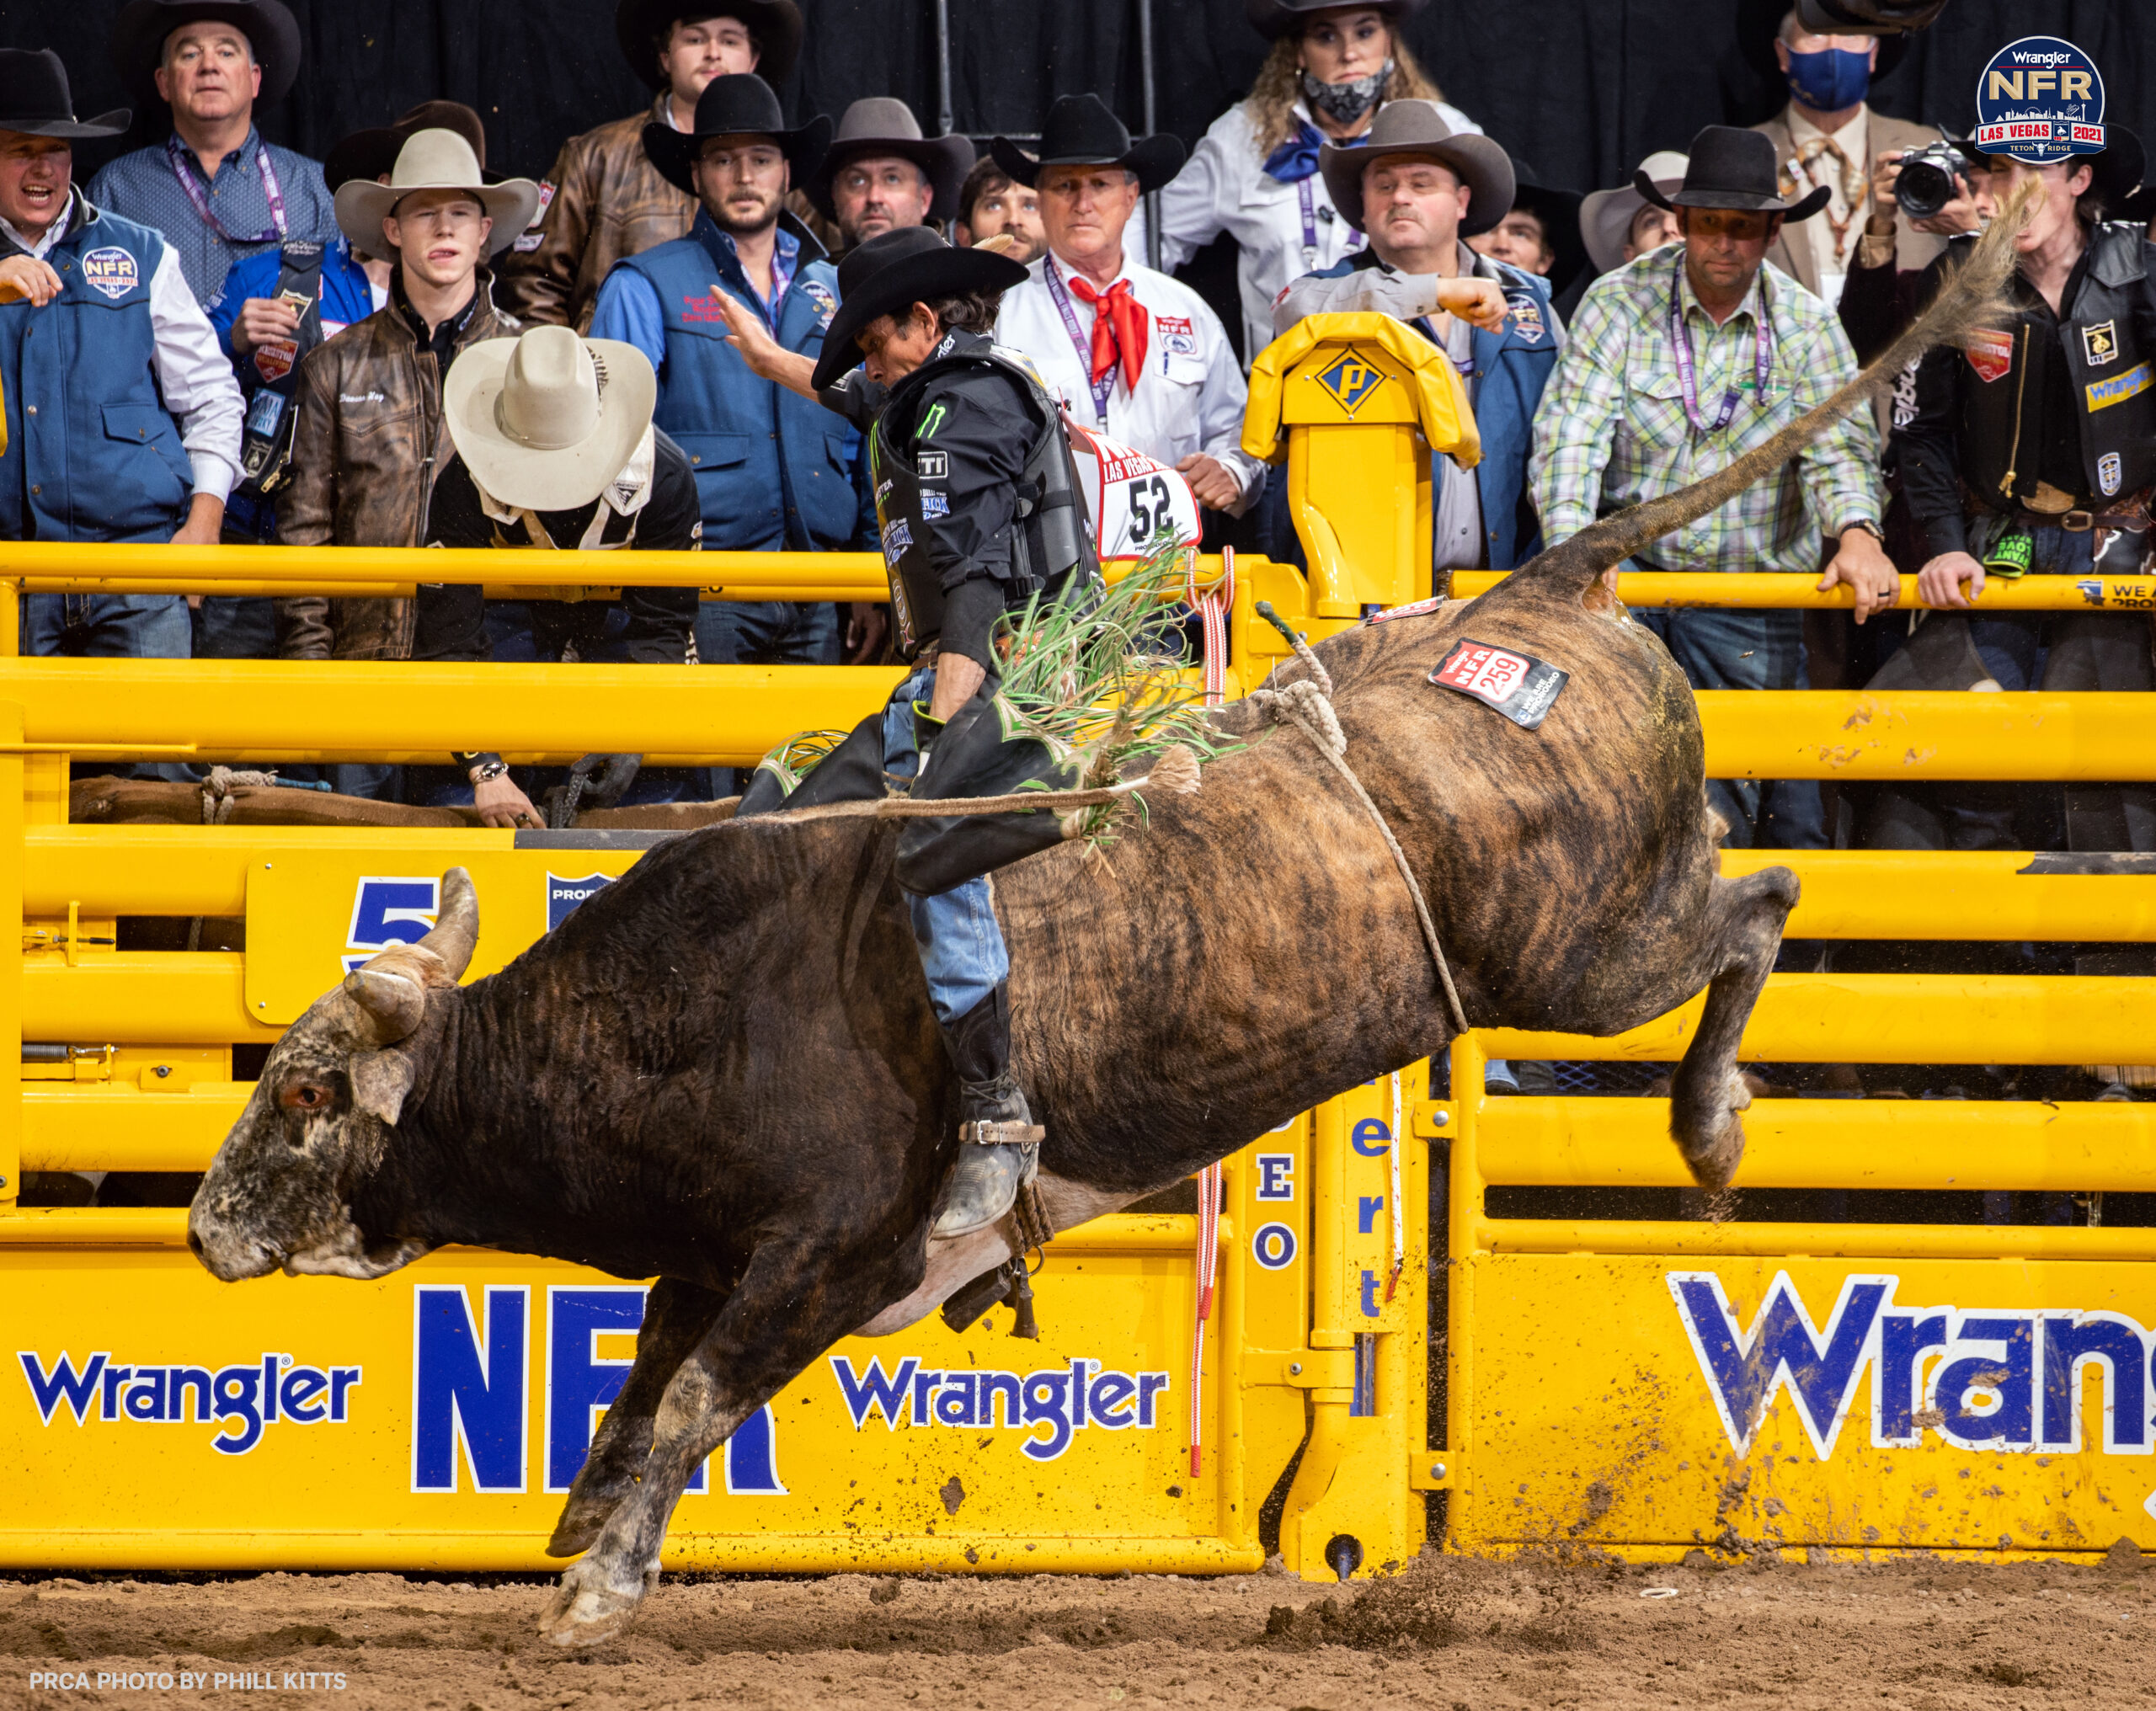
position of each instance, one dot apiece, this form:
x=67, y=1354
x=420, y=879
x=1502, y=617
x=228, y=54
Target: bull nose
x=194, y=1243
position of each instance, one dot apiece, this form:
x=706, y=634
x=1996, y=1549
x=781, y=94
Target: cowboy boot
x=999, y=1143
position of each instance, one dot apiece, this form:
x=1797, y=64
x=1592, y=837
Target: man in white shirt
x=123, y=418
x=1128, y=351
x=1828, y=137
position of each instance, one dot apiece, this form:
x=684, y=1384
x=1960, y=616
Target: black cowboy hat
x=882, y=125
x=891, y=273
x=1274, y=19
x=139, y=34
x=34, y=101
x=1082, y=132
x=371, y=153
x=1732, y=168
x=1759, y=24
x=740, y=105
x=640, y=27
x=1417, y=127
x=1559, y=212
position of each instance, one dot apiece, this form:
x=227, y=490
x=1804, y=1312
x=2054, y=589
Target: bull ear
x=391, y=1005
x=380, y=1081
x=456, y=925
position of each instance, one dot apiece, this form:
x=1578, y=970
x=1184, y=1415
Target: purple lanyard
x=1103, y=386
x=271, y=190
x=1680, y=339
x=1309, y=225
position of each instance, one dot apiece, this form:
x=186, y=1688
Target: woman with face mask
x=1254, y=174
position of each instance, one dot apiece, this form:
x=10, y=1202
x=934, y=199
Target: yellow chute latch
x=1330, y=368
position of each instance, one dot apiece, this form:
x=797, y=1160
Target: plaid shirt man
x=1613, y=428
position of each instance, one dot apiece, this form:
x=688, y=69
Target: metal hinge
x=1436, y=1470
x=1301, y=1369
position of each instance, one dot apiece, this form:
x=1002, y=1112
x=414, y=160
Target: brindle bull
x=722, y=1071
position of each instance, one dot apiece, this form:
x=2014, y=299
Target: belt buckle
x=2077, y=522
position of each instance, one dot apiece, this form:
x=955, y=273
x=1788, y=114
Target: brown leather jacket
x=608, y=202
x=364, y=463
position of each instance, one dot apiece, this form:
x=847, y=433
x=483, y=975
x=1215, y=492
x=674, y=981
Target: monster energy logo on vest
x=1052, y=546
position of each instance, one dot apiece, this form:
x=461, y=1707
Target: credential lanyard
x=272, y=192
x=1308, y=202
x=1680, y=340
x=1106, y=383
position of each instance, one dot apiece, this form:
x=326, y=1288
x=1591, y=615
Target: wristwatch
x=486, y=771
x=1868, y=526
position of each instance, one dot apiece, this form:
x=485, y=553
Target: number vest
x=1052, y=547
x=2112, y=378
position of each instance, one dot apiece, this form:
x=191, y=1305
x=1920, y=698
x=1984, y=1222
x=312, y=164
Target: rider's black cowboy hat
x=139, y=34
x=883, y=126
x=34, y=101
x=1735, y=170
x=740, y=105
x=891, y=273
x=640, y=28
x=1082, y=132
x=1274, y=19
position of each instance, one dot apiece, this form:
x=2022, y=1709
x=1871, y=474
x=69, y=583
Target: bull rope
x=1213, y=605
x=1307, y=705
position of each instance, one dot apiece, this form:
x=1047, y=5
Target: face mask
x=1345, y=102
x=1830, y=80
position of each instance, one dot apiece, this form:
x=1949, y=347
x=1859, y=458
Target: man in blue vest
x=1419, y=190
x=123, y=419
x=775, y=471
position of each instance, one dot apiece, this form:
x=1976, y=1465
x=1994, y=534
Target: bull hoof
x=587, y=1609
x=584, y=1517
x=1714, y=1166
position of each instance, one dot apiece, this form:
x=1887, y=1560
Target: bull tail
x=1971, y=294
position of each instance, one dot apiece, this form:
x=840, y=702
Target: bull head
x=279, y=1190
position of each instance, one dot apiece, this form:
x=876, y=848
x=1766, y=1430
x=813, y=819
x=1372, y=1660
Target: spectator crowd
x=219, y=338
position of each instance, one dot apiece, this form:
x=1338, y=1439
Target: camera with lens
x=1929, y=178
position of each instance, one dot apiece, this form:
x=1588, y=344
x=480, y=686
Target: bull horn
x=456, y=925
x=392, y=1005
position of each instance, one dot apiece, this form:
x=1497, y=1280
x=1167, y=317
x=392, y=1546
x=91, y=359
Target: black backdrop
x=1581, y=88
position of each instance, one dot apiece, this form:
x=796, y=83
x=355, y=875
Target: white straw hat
x=434, y=160
x=544, y=422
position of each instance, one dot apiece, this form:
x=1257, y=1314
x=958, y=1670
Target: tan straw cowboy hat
x=544, y=422
x=435, y=160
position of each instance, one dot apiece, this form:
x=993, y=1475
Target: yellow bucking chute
x=1357, y=405
x=1347, y=383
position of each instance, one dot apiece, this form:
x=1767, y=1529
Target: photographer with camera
x=1936, y=189
x=1828, y=137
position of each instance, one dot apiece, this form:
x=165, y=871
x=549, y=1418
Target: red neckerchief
x=1118, y=328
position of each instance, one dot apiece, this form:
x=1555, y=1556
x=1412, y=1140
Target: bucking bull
x=722, y=1071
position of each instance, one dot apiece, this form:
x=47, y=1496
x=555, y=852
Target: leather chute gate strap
x=1442, y=410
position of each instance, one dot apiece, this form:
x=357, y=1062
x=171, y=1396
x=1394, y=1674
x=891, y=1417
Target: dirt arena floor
x=1922, y=1635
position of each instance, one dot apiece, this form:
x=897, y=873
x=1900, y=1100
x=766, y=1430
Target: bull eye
x=305, y=1096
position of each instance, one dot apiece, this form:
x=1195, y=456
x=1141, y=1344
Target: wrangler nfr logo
x=1350, y=381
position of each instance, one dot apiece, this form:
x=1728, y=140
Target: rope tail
x=1970, y=294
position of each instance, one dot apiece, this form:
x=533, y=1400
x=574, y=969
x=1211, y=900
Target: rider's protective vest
x=2112, y=377
x=1052, y=547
